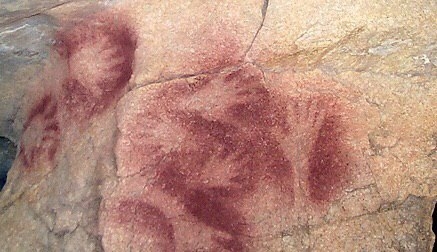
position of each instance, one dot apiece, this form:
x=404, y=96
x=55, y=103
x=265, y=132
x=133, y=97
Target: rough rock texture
x=219, y=126
x=21, y=60
x=11, y=11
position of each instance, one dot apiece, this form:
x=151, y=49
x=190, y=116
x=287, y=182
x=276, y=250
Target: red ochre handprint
x=40, y=140
x=99, y=53
x=223, y=152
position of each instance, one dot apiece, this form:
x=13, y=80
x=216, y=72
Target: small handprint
x=40, y=140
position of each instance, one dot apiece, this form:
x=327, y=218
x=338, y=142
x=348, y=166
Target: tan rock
x=229, y=126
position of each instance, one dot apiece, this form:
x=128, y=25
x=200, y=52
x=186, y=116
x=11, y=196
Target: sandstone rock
x=221, y=126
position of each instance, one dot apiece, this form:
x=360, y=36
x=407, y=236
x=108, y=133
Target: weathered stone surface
x=14, y=10
x=228, y=126
x=24, y=45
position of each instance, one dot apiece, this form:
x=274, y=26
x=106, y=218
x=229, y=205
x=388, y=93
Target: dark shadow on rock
x=434, y=226
x=8, y=150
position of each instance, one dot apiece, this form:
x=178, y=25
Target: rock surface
x=7, y=155
x=223, y=126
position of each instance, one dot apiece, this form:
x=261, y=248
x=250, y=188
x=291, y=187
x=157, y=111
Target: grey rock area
x=12, y=10
x=23, y=47
x=26, y=36
x=406, y=212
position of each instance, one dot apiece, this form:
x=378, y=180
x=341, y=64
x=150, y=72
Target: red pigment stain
x=226, y=144
x=212, y=207
x=143, y=219
x=327, y=160
x=100, y=53
x=41, y=135
x=241, y=135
